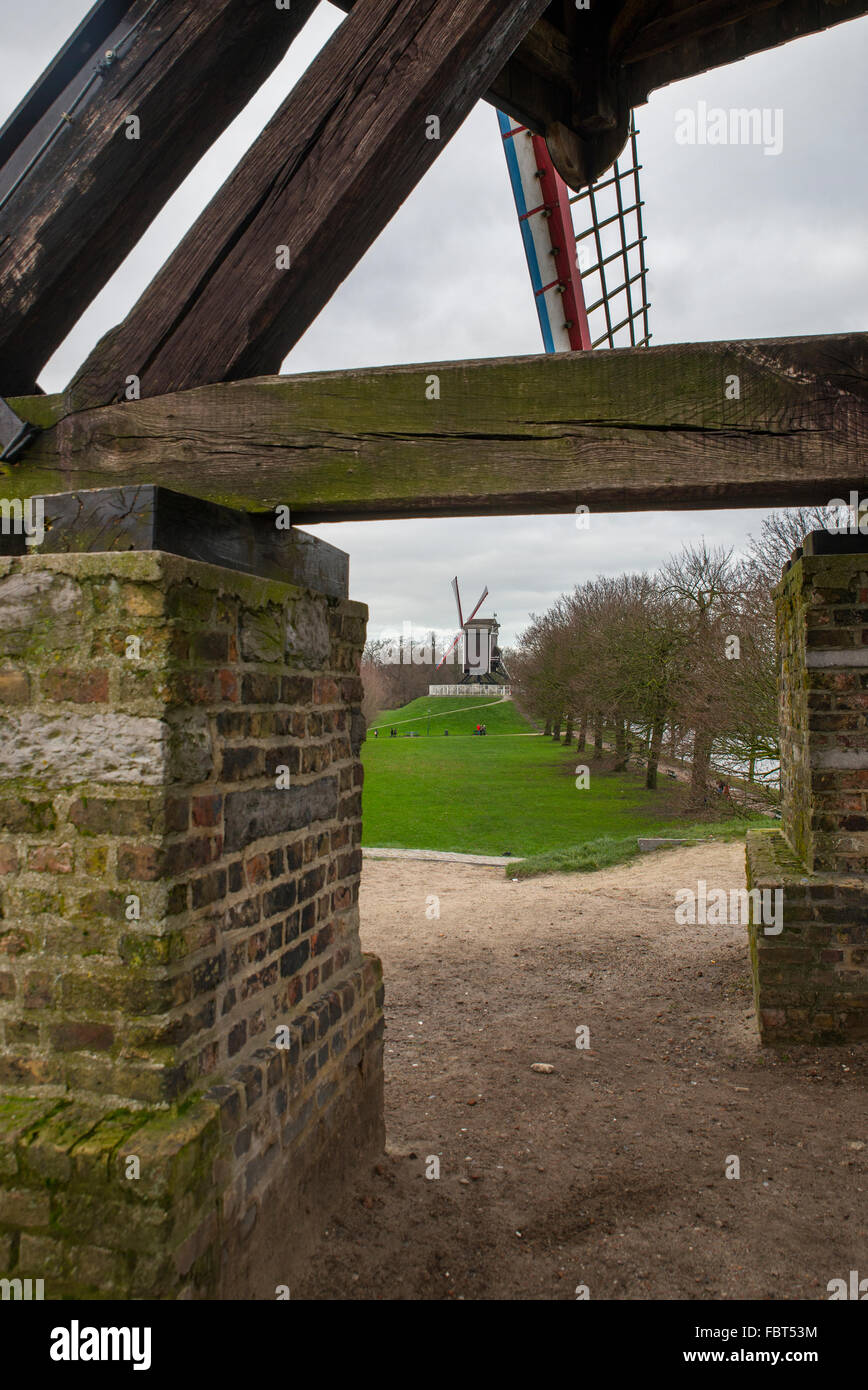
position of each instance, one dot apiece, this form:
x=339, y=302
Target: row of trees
x=686, y=656
x=400, y=669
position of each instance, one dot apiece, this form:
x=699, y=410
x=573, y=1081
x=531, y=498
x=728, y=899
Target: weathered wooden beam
x=628, y=20
x=769, y=423
x=83, y=45
x=537, y=84
x=323, y=179
x=657, y=44
x=155, y=518
x=186, y=75
x=693, y=22
x=711, y=33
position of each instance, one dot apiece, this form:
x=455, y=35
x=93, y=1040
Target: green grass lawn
x=510, y=791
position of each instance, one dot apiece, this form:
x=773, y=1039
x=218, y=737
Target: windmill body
x=482, y=662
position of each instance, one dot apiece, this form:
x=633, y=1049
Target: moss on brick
x=145, y=1014
x=798, y=982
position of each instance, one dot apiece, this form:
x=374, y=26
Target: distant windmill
x=481, y=654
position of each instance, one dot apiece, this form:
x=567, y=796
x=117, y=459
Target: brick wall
x=180, y=803
x=822, y=608
x=811, y=980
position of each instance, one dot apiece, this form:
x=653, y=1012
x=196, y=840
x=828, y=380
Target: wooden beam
x=696, y=20
x=84, y=44
x=628, y=430
x=711, y=33
x=155, y=518
x=537, y=84
x=323, y=179
x=186, y=75
x=628, y=21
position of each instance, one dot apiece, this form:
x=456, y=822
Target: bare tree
x=781, y=533
x=374, y=688
x=690, y=649
x=752, y=725
x=704, y=582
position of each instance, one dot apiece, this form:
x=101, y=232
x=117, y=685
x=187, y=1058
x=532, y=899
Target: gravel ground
x=610, y=1170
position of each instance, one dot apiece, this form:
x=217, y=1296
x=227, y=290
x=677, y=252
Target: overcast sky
x=740, y=245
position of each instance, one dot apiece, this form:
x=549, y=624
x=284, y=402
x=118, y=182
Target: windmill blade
x=596, y=293
x=446, y=657
x=542, y=203
x=478, y=606
x=457, y=600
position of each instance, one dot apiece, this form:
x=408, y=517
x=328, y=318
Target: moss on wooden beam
x=774, y=422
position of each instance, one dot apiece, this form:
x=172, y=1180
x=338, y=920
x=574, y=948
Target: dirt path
x=609, y=1172
x=442, y=856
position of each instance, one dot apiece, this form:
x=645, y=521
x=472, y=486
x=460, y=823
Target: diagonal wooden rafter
x=311, y=195
x=186, y=74
x=190, y=67
x=83, y=194
x=80, y=50
x=766, y=423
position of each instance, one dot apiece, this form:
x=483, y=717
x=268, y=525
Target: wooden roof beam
x=83, y=45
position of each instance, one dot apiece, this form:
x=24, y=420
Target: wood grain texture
x=630, y=430
x=187, y=74
x=324, y=177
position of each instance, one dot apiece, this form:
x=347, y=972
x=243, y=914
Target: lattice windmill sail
x=590, y=283
x=615, y=268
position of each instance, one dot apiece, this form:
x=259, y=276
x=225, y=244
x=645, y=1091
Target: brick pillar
x=190, y=1035
x=811, y=980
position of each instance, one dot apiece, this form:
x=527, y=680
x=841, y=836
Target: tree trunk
x=548, y=728
x=702, y=746
x=654, y=745
x=621, y=749
x=556, y=731
x=568, y=731
x=752, y=764
x=598, y=735
x=583, y=734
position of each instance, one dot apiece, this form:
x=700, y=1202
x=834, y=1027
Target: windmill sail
x=457, y=600
x=590, y=285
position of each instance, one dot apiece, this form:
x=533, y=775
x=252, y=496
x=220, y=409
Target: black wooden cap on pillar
x=155, y=518
x=14, y=433
x=849, y=542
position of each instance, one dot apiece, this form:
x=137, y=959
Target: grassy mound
x=460, y=714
